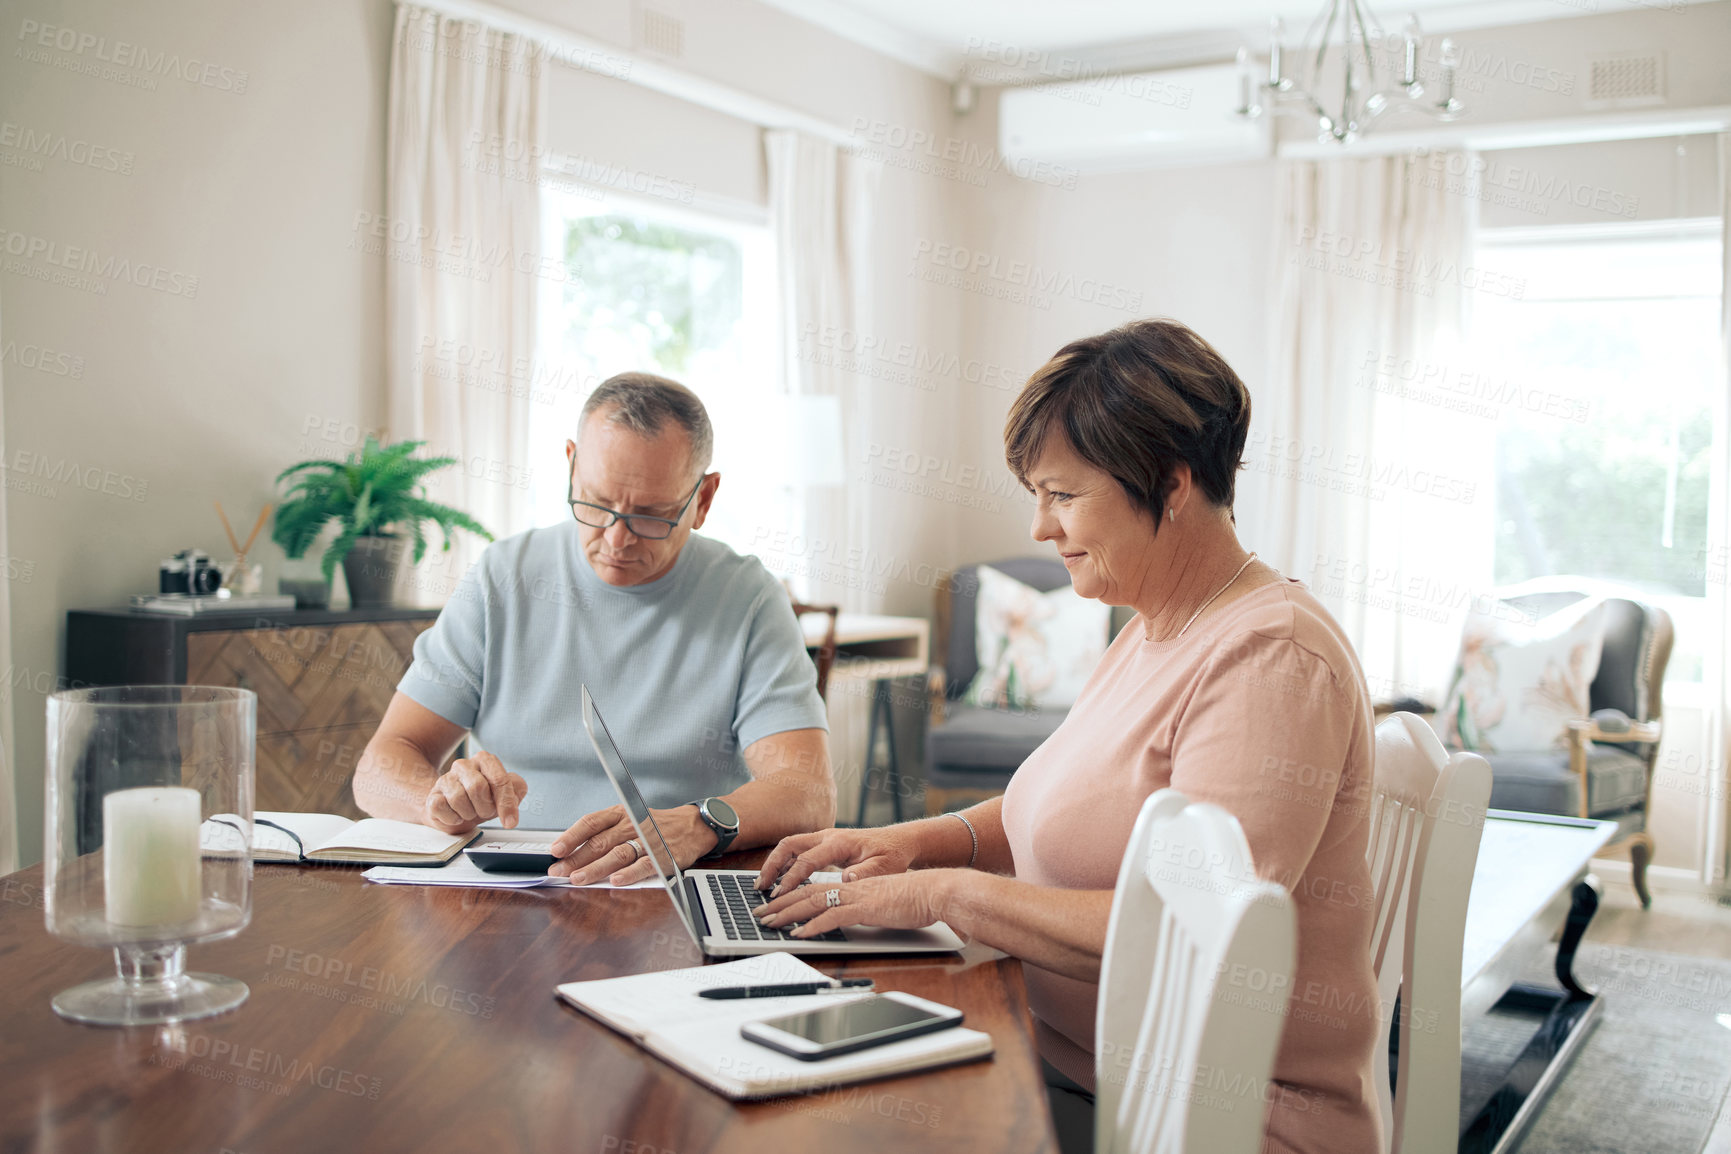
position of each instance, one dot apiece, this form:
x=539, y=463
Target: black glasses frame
x=635, y=523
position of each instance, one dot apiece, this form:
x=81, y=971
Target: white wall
x=1605, y=182
x=623, y=137
x=250, y=184
x=1191, y=244
x=1540, y=71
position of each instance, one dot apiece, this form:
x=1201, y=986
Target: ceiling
x=949, y=37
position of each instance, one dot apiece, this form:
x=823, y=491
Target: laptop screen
x=638, y=811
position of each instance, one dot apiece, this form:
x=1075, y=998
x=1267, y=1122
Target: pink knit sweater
x=1261, y=709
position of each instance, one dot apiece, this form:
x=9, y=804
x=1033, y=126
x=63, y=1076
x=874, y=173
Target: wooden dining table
x=413, y=1018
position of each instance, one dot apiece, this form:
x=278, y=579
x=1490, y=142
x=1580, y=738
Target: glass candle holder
x=149, y=842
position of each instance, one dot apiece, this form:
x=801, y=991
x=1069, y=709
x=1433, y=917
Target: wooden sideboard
x=323, y=679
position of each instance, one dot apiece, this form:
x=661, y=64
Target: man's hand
x=474, y=790
x=598, y=846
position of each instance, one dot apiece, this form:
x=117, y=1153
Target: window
x=683, y=294
x=1603, y=372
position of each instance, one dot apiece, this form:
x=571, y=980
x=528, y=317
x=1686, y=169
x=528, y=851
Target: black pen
x=788, y=991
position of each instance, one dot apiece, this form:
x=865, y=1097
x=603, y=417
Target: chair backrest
x=957, y=601
x=825, y=655
x=1193, y=985
x=1637, y=647
x=1427, y=813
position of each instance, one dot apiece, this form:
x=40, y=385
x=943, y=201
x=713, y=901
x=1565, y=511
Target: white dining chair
x=1193, y=986
x=1427, y=814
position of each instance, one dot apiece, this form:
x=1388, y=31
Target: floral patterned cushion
x=1035, y=649
x=1520, y=683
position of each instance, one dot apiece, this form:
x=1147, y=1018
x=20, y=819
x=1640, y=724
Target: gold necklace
x=1217, y=593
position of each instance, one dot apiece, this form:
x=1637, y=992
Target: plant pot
x=308, y=592
x=371, y=568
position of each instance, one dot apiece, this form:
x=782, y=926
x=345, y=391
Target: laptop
x=716, y=905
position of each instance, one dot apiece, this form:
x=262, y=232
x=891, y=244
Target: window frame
x=1691, y=615
x=745, y=224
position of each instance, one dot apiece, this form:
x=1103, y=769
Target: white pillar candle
x=151, y=863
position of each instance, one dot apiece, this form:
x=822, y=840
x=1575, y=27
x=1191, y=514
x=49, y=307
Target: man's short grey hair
x=644, y=403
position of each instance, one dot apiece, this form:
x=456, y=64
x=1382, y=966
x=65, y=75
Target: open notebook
x=662, y=1013
x=325, y=837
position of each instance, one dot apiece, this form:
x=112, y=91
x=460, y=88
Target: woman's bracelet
x=972, y=836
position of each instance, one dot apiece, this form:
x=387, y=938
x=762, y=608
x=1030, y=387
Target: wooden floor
x=1678, y=923
x=1689, y=924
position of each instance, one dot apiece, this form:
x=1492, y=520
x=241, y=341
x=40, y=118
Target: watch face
x=721, y=813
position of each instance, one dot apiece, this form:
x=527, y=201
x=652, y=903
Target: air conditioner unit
x=1143, y=120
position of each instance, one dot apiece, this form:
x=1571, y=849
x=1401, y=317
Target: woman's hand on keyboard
x=858, y=853
x=903, y=901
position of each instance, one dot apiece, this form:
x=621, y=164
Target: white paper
x=383, y=835
x=311, y=828
x=460, y=871
x=642, y=1003
x=701, y=1036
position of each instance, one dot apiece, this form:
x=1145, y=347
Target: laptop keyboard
x=736, y=898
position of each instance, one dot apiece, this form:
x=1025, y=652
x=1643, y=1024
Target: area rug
x=1652, y=1075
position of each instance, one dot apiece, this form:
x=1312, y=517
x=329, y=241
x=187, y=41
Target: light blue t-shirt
x=688, y=670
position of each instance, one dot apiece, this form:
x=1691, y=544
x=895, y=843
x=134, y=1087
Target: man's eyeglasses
x=637, y=524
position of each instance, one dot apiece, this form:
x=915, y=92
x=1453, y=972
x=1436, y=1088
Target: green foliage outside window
x=674, y=291
x=1621, y=495
x=1590, y=499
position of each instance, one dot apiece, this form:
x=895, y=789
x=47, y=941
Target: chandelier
x=1347, y=32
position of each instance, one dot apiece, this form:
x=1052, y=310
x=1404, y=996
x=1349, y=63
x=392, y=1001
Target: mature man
x=692, y=652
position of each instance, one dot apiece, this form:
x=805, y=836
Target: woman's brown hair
x=1135, y=402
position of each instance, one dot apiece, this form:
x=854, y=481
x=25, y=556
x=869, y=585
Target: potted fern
x=376, y=496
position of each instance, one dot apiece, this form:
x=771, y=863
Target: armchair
x=1604, y=771
x=971, y=750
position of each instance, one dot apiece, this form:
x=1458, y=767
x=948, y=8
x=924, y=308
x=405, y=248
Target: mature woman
x=1232, y=684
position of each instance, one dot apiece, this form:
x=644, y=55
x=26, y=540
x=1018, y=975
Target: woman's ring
x=832, y=898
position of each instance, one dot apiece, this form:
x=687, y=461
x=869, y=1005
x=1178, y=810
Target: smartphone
x=855, y=1025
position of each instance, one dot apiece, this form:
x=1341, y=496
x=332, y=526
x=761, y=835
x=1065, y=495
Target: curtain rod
x=1596, y=128
x=624, y=64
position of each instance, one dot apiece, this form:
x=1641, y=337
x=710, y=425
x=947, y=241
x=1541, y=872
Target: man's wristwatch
x=720, y=817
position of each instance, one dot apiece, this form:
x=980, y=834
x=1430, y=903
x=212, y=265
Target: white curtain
x=8, y=799
x=1717, y=858
x=820, y=201
x=463, y=265
x=1362, y=479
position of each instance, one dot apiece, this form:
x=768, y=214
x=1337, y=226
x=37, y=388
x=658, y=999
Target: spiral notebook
x=662, y=1013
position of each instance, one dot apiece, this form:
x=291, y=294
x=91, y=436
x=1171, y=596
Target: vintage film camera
x=189, y=571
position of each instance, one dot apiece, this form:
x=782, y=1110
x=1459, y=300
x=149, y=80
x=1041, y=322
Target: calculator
x=510, y=856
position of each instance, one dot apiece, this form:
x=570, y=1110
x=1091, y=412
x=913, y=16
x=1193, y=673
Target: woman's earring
x=1172, y=514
